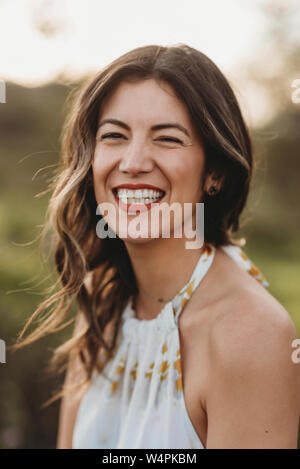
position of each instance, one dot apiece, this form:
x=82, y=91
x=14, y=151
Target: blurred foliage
x=30, y=126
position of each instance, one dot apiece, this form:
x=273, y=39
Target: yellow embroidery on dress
x=260, y=278
x=164, y=348
x=133, y=371
x=178, y=353
x=121, y=366
x=178, y=384
x=244, y=256
x=189, y=289
x=114, y=386
x=119, y=371
x=177, y=365
x=164, y=366
x=183, y=302
x=163, y=370
x=254, y=270
x=178, y=381
x=149, y=373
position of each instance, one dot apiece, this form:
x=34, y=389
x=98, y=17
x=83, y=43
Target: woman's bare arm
x=75, y=373
x=254, y=389
x=70, y=403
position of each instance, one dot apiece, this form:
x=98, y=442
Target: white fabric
x=139, y=403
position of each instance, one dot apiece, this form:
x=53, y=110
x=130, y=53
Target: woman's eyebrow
x=175, y=125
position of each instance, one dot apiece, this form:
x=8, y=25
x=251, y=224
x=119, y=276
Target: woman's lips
x=135, y=208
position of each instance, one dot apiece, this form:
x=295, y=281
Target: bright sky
x=91, y=33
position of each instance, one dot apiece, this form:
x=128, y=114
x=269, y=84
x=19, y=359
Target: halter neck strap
x=203, y=265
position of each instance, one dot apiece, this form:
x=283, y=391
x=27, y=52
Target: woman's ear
x=219, y=180
x=214, y=180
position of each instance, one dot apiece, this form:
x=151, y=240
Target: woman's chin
x=140, y=238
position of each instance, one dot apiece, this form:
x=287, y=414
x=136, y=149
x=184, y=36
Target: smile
x=140, y=199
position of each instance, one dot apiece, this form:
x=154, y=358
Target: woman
x=173, y=347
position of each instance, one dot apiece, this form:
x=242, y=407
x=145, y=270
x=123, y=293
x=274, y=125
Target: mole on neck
x=146, y=311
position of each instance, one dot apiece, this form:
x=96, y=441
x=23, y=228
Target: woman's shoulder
x=245, y=312
x=233, y=287
x=232, y=306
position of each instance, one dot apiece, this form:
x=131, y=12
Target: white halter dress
x=139, y=403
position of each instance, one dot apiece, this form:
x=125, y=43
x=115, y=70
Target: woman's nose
x=136, y=158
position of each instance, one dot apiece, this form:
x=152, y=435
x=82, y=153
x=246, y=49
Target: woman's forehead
x=145, y=100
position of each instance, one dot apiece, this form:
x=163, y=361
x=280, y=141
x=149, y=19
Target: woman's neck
x=162, y=267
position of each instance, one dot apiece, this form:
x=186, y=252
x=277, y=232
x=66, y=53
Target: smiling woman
x=161, y=125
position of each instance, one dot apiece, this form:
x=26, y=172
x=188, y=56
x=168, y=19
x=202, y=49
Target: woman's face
x=137, y=151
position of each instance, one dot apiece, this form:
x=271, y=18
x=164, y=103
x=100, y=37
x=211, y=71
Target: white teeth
x=131, y=200
x=139, y=195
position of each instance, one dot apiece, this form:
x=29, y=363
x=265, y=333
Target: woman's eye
x=116, y=135
x=111, y=135
x=170, y=139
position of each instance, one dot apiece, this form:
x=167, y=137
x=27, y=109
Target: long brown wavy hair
x=78, y=252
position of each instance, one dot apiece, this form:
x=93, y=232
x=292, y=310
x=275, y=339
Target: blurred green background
x=30, y=124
